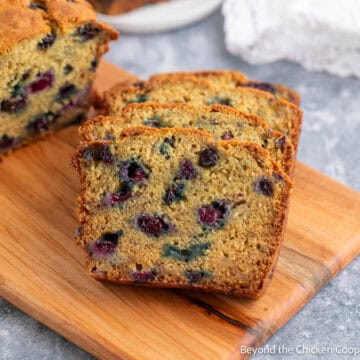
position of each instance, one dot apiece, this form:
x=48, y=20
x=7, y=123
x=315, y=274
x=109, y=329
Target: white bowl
x=161, y=17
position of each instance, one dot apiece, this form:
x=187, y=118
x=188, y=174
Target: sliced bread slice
x=236, y=79
x=204, y=215
x=280, y=115
x=222, y=122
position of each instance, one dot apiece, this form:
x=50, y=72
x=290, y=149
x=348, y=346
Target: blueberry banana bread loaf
x=174, y=208
x=235, y=79
x=280, y=115
x=114, y=7
x=222, y=122
x=49, y=51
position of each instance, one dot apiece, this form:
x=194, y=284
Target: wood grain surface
x=42, y=269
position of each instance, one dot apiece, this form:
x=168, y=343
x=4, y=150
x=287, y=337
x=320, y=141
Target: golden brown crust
x=288, y=163
x=20, y=22
x=289, y=94
x=162, y=285
x=296, y=122
x=115, y=7
x=236, y=78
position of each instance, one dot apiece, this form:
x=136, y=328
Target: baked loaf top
x=280, y=115
x=25, y=19
x=222, y=122
x=235, y=79
x=174, y=208
x=113, y=7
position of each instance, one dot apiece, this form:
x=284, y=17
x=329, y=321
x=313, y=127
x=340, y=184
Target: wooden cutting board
x=41, y=268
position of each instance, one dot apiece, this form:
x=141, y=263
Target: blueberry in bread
x=49, y=50
x=236, y=79
x=280, y=115
x=115, y=7
x=222, y=122
x=204, y=214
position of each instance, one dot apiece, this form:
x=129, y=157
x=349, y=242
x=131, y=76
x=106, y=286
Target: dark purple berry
x=133, y=171
x=74, y=102
x=164, y=147
x=6, y=142
x=37, y=5
x=65, y=92
x=98, y=152
x=41, y=122
x=208, y=158
x=117, y=198
x=260, y=86
x=106, y=245
x=46, y=42
x=265, y=143
x=68, y=69
x=14, y=104
x=221, y=100
x=139, y=84
x=154, y=122
x=175, y=193
x=94, y=64
x=213, y=215
x=186, y=170
x=42, y=82
x=154, y=225
x=25, y=75
x=143, y=276
x=280, y=142
x=78, y=232
x=227, y=135
x=264, y=185
x=87, y=31
x=195, y=276
x=170, y=141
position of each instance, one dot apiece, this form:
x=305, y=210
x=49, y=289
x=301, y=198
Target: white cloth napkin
x=318, y=34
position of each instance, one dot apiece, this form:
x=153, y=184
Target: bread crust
x=238, y=79
x=20, y=22
x=116, y=7
x=253, y=148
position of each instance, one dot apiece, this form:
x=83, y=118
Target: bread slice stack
x=185, y=181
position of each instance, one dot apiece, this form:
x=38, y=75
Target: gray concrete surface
x=330, y=143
